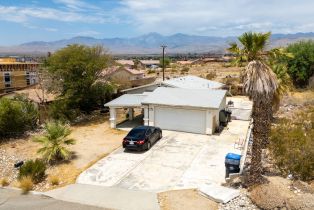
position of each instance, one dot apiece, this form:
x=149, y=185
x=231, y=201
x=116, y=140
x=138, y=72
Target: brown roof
x=109, y=71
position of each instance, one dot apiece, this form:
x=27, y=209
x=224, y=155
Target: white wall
x=149, y=116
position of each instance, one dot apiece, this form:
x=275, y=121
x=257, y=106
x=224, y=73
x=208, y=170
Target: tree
x=55, y=141
x=301, y=67
x=167, y=62
x=260, y=84
x=75, y=70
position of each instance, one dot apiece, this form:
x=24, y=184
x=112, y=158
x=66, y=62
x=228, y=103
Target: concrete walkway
x=106, y=197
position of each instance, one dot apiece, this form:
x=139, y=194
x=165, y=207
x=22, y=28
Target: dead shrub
x=4, y=182
x=26, y=184
x=211, y=75
x=292, y=145
x=54, y=180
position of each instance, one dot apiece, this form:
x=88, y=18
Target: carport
x=129, y=101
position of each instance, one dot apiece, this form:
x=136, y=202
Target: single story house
x=186, y=82
x=126, y=63
x=123, y=74
x=150, y=63
x=187, y=110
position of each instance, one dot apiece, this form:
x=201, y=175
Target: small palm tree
x=55, y=141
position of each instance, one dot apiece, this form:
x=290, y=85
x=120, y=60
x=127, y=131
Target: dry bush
x=292, y=145
x=54, y=180
x=211, y=75
x=4, y=182
x=26, y=184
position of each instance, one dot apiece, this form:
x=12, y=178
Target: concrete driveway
x=177, y=161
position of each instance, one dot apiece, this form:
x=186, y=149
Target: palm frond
x=260, y=82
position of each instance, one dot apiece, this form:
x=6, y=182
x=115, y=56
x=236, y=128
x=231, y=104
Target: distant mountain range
x=150, y=44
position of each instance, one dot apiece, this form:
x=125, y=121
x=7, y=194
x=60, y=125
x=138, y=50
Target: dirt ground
x=94, y=140
x=283, y=193
x=185, y=200
x=222, y=70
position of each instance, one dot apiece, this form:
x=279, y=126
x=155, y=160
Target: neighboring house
x=188, y=110
x=187, y=82
x=124, y=74
x=17, y=74
x=150, y=63
x=126, y=63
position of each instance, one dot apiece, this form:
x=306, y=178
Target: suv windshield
x=137, y=133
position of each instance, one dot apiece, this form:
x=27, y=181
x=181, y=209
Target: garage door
x=180, y=119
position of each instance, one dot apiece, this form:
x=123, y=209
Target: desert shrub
x=211, y=75
x=61, y=110
x=301, y=66
x=16, y=116
x=150, y=71
x=185, y=69
x=54, y=141
x=35, y=169
x=54, y=180
x=4, y=182
x=292, y=145
x=26, y=184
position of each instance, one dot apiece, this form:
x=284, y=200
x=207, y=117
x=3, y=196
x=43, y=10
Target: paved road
x=178, y=160
x=108, y=197
x=14, y=200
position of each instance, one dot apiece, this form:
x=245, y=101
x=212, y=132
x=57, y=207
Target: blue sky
x=46, y=20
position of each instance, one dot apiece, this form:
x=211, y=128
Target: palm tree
x=55, y=141
x=260, y=84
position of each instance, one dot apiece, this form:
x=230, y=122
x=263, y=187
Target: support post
x=131, y=113
x=113, y=117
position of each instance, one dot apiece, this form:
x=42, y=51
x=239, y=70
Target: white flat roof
x=203, y=98
x=193, y=82
x=127, y=100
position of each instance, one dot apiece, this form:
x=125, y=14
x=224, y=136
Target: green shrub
x=301, y=66
x=33, y=169
x=150, y=71
x=292, y=145
x=16, y=116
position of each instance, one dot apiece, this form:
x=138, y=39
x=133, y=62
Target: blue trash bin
x=232, y=163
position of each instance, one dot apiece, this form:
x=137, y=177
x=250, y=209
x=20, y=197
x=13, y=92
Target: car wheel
x=148, y=145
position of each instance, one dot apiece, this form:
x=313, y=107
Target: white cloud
x=24, y=14
x=223, y=17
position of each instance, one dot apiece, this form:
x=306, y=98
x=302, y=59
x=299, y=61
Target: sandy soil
x=94, y=140
x=185, y=200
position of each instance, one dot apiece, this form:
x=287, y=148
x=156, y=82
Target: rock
x=302, y=202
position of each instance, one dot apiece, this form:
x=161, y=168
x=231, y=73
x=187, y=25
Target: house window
x=7, y=79
x=28, y=81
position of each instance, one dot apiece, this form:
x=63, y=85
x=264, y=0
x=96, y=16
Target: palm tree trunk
x=260, y=133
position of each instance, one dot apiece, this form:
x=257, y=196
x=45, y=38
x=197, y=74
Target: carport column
x=146, y=118
x=209, y=122
x=113, y=117
x=131, y=113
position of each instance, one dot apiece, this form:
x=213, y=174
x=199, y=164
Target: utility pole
x=163, y=62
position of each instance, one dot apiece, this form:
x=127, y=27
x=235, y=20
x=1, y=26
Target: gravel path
x=242, y=202
x=7, y=162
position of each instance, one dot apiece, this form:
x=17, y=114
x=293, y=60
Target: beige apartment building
x=16, y=74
